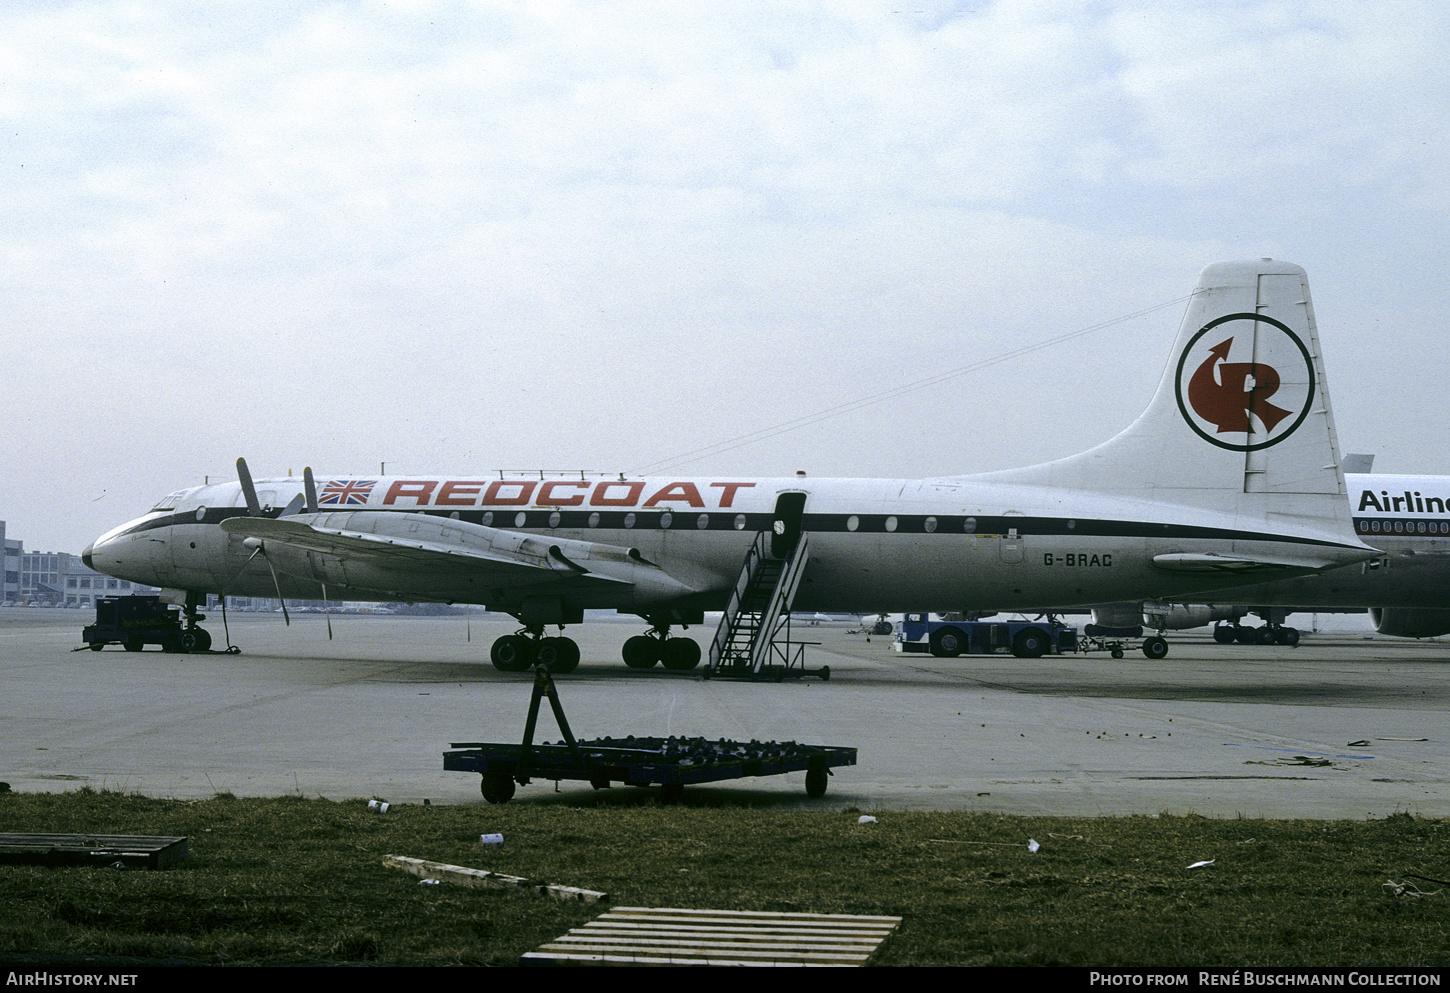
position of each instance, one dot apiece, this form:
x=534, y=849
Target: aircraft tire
x=948, y=643
x=1264, y=635
x=512, y=653
x=203, y=640
x=1223, y=634
x=641, y=652
x=1155, y=647
x=188, y=641
x=1030, y=643
x=882, y=627
x=1245, y=635
x=1287, y=636
x=681, y=654
x=558, y=655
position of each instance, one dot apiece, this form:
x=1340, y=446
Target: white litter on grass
x=1201, y=865
x=866, y=819
x=1032, y=845
x=1408, y=890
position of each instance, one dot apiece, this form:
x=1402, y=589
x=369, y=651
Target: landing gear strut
x=193, y=637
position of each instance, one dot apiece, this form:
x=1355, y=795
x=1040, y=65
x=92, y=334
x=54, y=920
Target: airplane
x=1231, y=475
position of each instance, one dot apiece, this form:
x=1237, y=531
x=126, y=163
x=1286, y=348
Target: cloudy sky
x=460, y=237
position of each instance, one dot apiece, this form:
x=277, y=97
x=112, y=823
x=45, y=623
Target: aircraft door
x=1011, y=546
x=785, y=530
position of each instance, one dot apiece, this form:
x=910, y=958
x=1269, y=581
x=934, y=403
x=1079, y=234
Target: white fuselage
x=950, y=543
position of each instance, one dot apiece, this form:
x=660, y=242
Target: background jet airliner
x=1406, y=588
x=1230, y=475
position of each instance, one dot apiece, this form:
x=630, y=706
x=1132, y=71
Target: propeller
x=254, y=509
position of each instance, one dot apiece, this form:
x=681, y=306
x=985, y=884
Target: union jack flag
x=346, y=491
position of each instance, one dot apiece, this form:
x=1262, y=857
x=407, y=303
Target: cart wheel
x=96, y=646
x=497, y=788
x=1117, y=653
x=825, y=673
x=816, y=782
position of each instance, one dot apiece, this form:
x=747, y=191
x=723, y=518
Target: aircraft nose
x=86, y=555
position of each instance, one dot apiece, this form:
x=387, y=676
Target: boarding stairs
x=753, y=640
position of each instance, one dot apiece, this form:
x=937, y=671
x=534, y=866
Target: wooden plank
x=132, y=850
x=463, y=876
x=669, y=936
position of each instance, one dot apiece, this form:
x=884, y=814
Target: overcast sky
x=464, y=237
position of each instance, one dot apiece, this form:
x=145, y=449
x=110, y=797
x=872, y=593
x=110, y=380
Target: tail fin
x=1241, y=422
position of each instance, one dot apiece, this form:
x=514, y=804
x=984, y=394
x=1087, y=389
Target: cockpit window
x=169, y=501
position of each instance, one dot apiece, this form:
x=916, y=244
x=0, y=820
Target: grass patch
x=292, y=881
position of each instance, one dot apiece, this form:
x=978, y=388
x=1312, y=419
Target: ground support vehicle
x=134, y=622
x=948, y=638
x=1153, y=646
x=671, y=763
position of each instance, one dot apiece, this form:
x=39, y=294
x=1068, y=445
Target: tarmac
x=1343, y=726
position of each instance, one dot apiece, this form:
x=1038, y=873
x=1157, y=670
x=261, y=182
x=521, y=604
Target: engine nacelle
x=1182, y=616
x=1402, y=622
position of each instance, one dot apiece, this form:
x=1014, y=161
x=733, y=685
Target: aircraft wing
x=418, y=552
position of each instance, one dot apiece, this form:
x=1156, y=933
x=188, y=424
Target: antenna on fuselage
x=309, y=487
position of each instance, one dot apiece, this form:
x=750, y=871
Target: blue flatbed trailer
x=672, y=762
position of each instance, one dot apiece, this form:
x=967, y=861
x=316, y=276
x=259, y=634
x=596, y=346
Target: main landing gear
x=1269, y=634
x=529, y=647
x=644, y=650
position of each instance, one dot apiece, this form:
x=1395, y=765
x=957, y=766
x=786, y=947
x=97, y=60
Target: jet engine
x=1403, y=622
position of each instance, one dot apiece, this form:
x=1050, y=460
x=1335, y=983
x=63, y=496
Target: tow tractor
x=1026, y=639
x=950, y=638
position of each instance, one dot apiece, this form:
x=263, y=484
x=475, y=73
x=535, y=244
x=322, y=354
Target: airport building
x=10, y=561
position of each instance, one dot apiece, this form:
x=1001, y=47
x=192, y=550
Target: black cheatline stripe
x=535, y=519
